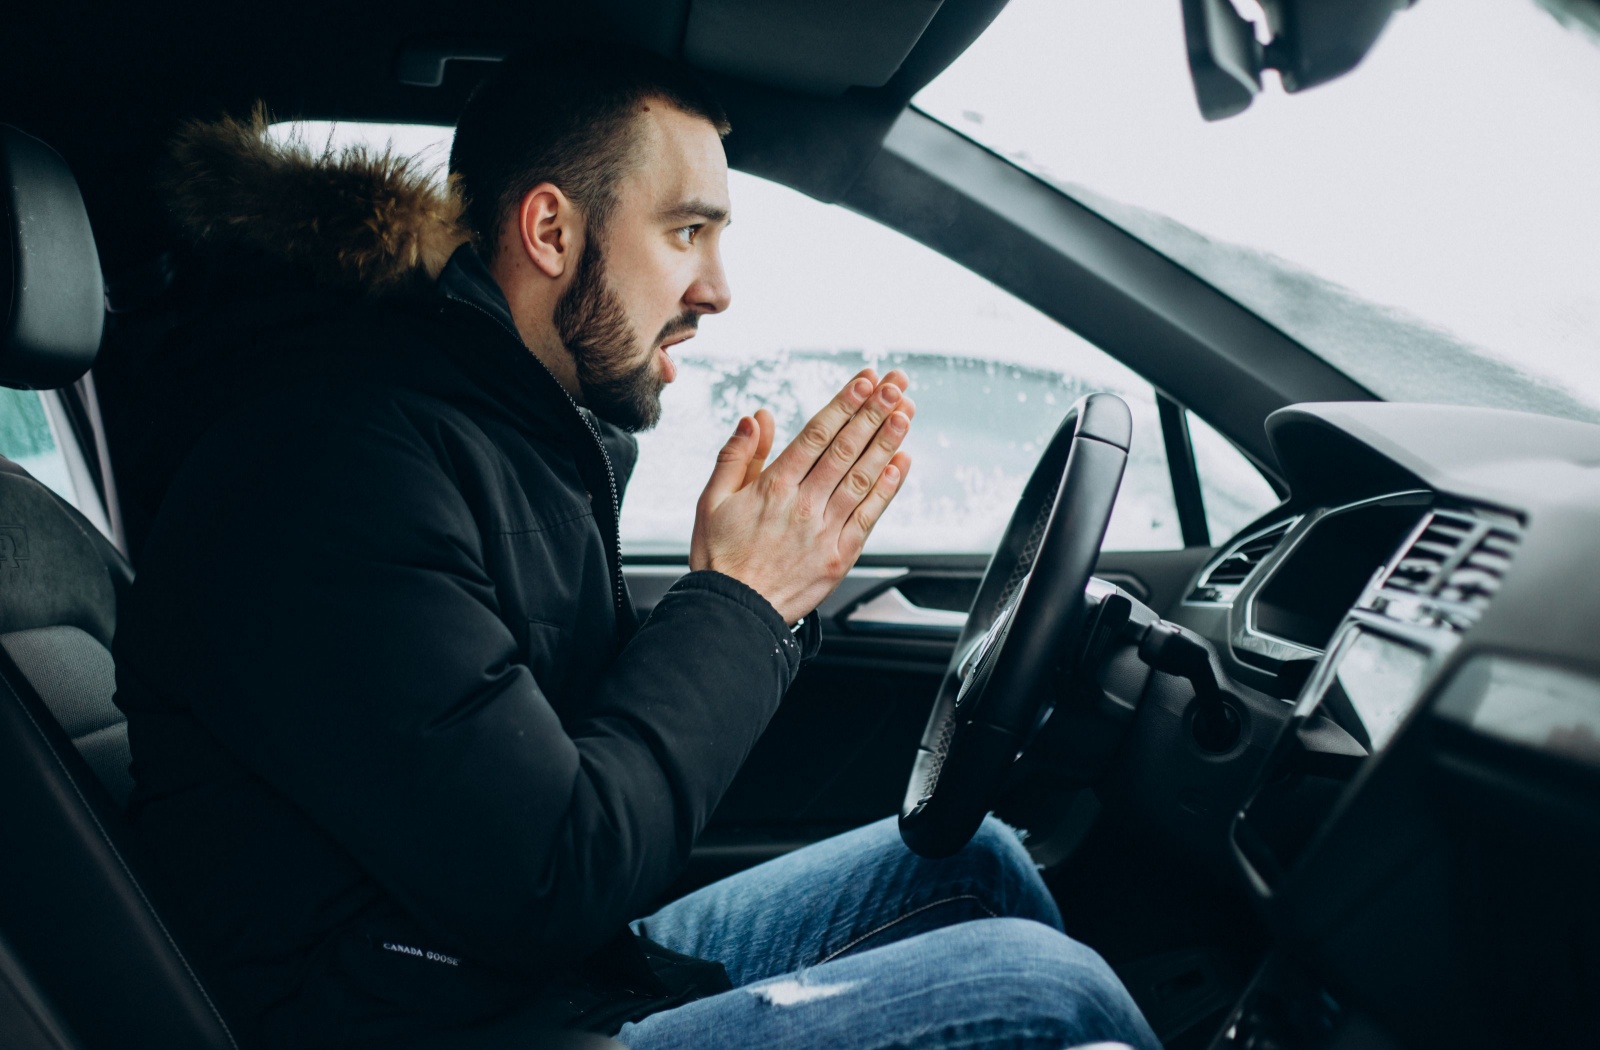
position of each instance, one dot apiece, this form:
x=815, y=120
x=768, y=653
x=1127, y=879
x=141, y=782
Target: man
x=401, y=747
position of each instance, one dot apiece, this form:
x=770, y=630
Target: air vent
x=1434, y=550
x=1222, y=581
x=1476, y=578
x=1450, y=571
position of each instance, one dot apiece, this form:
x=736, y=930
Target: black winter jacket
x=402, y=750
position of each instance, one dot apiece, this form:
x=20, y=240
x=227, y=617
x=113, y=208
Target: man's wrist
x=736, y=590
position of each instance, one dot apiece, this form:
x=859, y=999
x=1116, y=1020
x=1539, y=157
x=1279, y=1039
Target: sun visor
x=821, y=47
x=49, y=269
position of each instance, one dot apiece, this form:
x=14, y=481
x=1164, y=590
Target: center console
x=1405, y=622
x=1381, y=661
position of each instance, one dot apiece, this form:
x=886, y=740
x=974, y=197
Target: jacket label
x=420, y=953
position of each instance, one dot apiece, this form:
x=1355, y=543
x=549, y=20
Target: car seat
x=86, y=960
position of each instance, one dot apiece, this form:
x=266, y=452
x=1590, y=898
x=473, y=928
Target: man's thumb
x=728, y=475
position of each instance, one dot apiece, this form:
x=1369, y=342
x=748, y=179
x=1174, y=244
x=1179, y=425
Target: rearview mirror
x=1311, y=43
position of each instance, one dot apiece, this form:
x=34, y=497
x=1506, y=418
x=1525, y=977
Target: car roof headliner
x=108, y=88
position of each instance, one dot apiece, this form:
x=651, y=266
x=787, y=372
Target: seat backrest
x=81, y=937
x=56, y=624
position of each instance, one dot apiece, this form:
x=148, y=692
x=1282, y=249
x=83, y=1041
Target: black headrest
x=50, y=270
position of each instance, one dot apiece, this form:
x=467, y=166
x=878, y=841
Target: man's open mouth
x=669, y=367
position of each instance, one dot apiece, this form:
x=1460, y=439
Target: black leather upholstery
x=50, y=272
x=26, y=1016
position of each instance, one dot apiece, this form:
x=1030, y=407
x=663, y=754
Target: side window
x=1234, y=492
x=820, y=292
x=35, y=436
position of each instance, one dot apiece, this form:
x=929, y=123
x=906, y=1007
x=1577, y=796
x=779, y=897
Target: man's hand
x=792, y=530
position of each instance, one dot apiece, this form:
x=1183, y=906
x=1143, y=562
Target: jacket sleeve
x=342, y=639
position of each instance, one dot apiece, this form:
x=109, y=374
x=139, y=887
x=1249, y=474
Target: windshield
x=1429, y=224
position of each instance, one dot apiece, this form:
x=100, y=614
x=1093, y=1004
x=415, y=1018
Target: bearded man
x=403, y=751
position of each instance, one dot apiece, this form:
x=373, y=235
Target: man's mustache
x=688, y=324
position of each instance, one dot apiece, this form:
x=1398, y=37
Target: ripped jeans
x=857, y=943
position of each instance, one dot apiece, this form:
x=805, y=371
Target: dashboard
x=1423, y=833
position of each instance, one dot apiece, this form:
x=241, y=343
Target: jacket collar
x=495, y=356
x=466, y=279
x=523, y=382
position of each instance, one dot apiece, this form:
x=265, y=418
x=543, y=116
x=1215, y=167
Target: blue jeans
x=858, y=943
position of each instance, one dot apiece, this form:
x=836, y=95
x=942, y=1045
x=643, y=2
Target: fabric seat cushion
x=73, y=674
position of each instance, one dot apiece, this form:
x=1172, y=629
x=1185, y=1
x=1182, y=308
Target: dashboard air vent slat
x=1228, y=573
x=1455, y=564
x=1495, y=563
x=1418, y=570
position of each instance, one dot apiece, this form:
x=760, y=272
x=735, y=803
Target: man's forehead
x=682, y=166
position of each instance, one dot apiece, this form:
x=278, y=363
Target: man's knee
x=1017, y=878
x=1022, y=946
x=1004, y=842
x=1044, y=981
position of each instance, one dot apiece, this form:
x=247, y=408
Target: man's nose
x=710, y=294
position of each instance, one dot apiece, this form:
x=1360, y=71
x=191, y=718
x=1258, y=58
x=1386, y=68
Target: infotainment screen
x=1376, y=680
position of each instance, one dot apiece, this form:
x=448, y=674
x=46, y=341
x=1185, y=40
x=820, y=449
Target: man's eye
x=687, y=233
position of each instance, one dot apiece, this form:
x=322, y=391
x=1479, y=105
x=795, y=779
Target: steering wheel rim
x=1030, y=606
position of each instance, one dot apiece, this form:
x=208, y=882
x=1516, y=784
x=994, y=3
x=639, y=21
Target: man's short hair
x=564, y=114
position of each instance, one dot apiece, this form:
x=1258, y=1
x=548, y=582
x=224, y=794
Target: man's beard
x=593, y=326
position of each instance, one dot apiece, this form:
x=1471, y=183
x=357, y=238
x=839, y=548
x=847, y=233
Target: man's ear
x=548, y=226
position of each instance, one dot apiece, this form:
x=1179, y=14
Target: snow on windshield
x=1430, y=223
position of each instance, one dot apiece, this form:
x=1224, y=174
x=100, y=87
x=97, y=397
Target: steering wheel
x=1022, y=631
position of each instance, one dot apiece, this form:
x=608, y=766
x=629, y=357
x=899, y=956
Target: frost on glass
x=981, y=426
x=1392, y=351
x=819, y=293
x=1233, y=490
x=1427, y=224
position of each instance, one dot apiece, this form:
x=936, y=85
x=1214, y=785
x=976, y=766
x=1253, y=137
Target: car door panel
x=838, y=752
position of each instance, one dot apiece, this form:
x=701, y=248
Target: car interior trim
x=1275, y=646
x=891, y=610
x=1279, y=529
x=1187, y=495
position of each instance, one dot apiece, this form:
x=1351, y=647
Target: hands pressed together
x=793, y=529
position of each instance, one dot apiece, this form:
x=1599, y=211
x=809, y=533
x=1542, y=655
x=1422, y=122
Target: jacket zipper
x=617, y=594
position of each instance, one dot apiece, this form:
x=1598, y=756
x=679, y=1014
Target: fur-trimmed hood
x=353, y=219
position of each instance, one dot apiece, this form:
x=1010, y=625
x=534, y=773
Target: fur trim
x=354, y=218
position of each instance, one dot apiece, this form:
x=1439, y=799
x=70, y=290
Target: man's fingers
x=815, y=437
x=766, y=430
x=859, y=527
x=733, y=459
x=854, y=439
x=864, y=474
